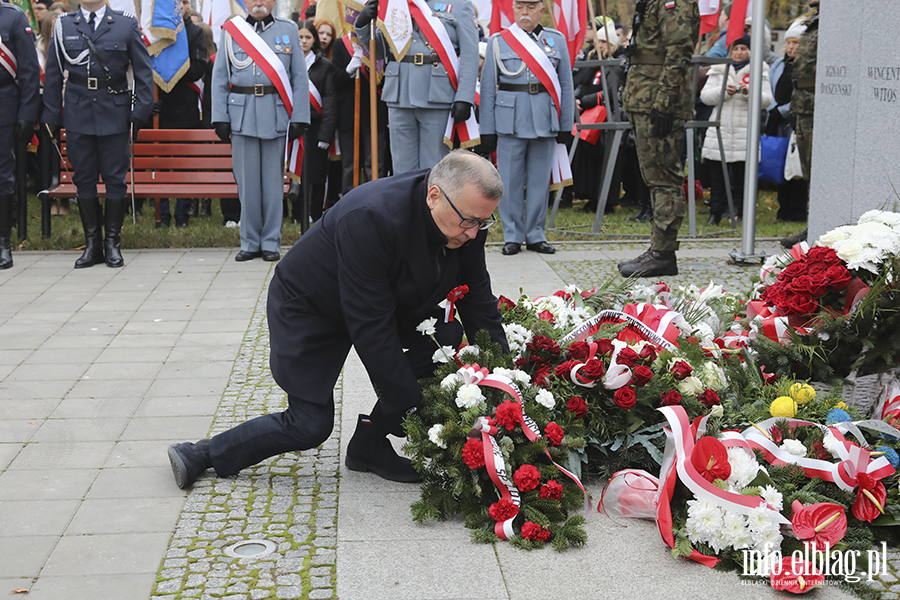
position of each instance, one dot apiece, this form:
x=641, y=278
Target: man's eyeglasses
x=466, y=222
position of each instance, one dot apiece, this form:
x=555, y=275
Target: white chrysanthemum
x=545, y=398
x=712, y=376
x=468, y=396
x=704, y=520
x=434, y=434
x=891, y=219
x=444, y=354
x=759, y=519
x=426, y=327
x=771, y=537
x=517, y=336
x=734, y=531
x=450, y=381
x=772, y=496
x=831, y=445
x=471, y=349
x=794, y=447
x=743, y=468
x=690, y=386
x=704, y=331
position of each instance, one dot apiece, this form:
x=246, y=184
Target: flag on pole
x=216, y=12
x=501, y=15
x=162, y=22
x=395, y=22
x=709, y=15
x=739, y=11
x=570, y=17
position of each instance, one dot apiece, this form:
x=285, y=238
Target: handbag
x=597, y=114
x=773, y=151
x=792, y=168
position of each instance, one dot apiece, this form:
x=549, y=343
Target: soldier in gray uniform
x=418, y=90
x=96, y=45
x=520, y=120
x=19, y=97
x=247, y=108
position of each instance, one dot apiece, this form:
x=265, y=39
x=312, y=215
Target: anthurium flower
x=799, y=581
x=822, y=523
x=710, y=458
x=870, y=498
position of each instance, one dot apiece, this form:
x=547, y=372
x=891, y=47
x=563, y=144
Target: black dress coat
x=366, y=275
x=179, y=108
x=321, y=127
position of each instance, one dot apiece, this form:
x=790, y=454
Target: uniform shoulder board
x=126, y=14
x=12, y=6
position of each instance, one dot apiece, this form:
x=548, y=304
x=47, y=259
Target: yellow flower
x=783, y=406
x=802, y=393
x=841, y=405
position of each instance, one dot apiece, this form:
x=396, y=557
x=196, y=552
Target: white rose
x=690, y=386
x=426, y=327
x=849, y=250
x=794, y=447
x=434, y=434
x=468, y=396
x=832, y=237
x=545, y=398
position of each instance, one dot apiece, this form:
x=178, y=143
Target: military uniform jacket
x=19, y=98
x=522, y=114
x=118, y=41
x=264, y=116
x=803, y=100
x=668, y=35
x=408, y=85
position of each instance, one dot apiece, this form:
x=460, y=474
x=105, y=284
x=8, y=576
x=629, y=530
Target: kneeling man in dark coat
x=375, y=266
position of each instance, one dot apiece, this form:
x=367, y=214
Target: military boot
x=370, y=450
x=652, y=263
x=112, y=224
x=206, y=207
x=640, y=258
x=791, y=240
x=91, y=215
x=6, y=218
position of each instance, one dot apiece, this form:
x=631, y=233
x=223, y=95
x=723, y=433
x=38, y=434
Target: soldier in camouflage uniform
x=803, y=101
x=659, y=100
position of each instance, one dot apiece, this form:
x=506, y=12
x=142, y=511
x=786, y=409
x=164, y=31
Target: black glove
x=662, y=123
x=461, y=111
x=564, y=137
x=295, y=131
x=369, y=12
x=488, y=143
x=54, y=131
x=223, y=130
x=154, y=110
x=23, y=130
x=589, y=101
x=136, y=126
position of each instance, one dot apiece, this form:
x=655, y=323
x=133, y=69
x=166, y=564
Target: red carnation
x=605, y=346
x=540, y=376
x=625, y=397
x=669, y=398
x=563, y=294
x=509, y=414
x=551, y=490
x=578, y=406
x=505, y=303
x=473, y=453
x=554, y=433
x=526, y=478
x=579, y=351
x=503, y=510
x=641, y=376
x=627, y=357
x=546, y=315
x=564, y=370
x=648, y=353
x=520, y=362
x=533, y=531
x=680, y=370
x=710, y=458
x=709, y=398
x=540, y=342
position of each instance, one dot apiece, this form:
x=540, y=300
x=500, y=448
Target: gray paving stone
x=68, y=484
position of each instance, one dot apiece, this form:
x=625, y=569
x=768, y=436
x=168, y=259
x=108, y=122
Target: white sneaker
x=231, y=224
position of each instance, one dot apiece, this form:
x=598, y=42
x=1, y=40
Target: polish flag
x=501, y=15
x=739, y=11
x=570, y=17
x=709, y=15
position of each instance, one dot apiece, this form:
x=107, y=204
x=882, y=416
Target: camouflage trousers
x=804, y=133
x=663, y=172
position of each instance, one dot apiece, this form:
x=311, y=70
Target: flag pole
x=592, y=14
x=373, y=103
x=356, y=117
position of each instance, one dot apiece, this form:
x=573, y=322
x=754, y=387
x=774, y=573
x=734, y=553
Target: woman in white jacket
x=735, y=112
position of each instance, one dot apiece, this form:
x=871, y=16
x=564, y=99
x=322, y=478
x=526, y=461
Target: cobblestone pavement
x=290, y=500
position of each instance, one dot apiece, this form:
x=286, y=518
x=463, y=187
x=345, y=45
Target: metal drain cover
x=250, y=549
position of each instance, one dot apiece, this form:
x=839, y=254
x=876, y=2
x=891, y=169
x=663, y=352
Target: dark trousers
x=793, y=198
x=231, y=210
x=718, y=201
x=182, y=210
x=7, y=160
x=94, y=156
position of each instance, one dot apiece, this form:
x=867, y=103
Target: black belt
x=535, y=87
x=641, y=58
x=805, y=83
x=421, y=59
x=96, y=83
x=254, y=90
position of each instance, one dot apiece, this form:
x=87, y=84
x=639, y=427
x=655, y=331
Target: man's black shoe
x=370, y=450
x=791, y=240
x=245, y=255
x=270, y=256
x=653, y=263
x=541, y=248
x=510, y=248
x=189, y=461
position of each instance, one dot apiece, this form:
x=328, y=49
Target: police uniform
x=517, y=108
x=245, y=97
x=418, y=92
x=98, y=114
x=19, y=97
x=658, y=90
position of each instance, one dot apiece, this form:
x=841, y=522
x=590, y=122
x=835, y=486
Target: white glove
x=355, y=64
x=324, y=145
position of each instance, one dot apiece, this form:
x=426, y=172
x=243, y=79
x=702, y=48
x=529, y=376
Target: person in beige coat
x=735, y=114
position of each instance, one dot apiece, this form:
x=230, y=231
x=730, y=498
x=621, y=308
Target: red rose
x=546, y=315
x=605, y=346
x=554, y=434
x=838, y=277
x=641, y=375
x=709, y=398
x=648, y=353
x=505, y=303
x=625, y=397
x=817, y=285
x=579, y=351
x=551, y=490
x=564, y=370
x=473, y=453
x=578, y=406
x=540, y=342
x=526, y=478
x=503, y=510
x=680, y=370
x=802, y=304
x=540, y=376
x=533, y=531
x=563, y=294
x=509, y=414
x=710, y=458
x=819, y=258
x=669, y=398
x=592, y=370
x=627, y=357
x=799, y=284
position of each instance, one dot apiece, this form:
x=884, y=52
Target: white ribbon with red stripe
x=8, y=60
x=264, y=57
x=659, y=334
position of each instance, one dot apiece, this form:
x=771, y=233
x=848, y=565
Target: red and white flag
x=502, y=15
x=709, y=15
x=570, y=17
x=216, y=12
x=739, y=11
x=396, y=24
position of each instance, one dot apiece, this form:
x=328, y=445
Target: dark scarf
x=740, y=65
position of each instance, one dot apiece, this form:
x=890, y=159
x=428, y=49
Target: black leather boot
x=112, y=224
x=651, y=264
x=91, y=215
x=714, y=219
x=6, y=218
x=641, y=257
x=206, y=207
x=370, y=450
x=189, y=461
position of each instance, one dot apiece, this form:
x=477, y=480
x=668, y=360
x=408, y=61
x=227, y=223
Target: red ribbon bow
x=456, y=294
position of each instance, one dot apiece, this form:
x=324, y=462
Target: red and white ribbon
x=8, y=60
x=454, y=296
x=264, y=57
x=664, y=340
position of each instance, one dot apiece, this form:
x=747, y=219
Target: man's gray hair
x=460, y=167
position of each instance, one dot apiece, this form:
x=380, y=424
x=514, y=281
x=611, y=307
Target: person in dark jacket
x=373, y=269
